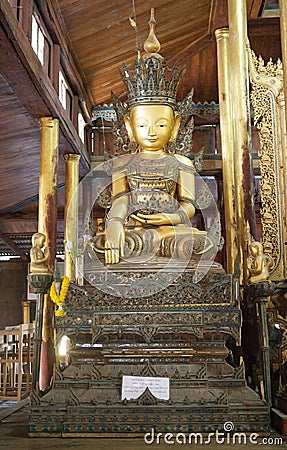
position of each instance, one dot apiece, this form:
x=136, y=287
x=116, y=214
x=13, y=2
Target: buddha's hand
x=158, y=218
x=114, y=244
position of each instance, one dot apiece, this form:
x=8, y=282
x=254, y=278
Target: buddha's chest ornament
x=153, y=185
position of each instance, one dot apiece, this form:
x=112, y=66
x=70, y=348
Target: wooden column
x=239, y=88
x=47, y=224
x=226, y=130
x=27, y=10
x=71, y=213
x=55, y=61
x=282, y=101
x=259, y=293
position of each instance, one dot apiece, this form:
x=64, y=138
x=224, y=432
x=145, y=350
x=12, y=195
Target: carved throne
x=179, y=333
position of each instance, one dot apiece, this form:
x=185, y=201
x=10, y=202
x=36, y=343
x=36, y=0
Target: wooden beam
x=11, y=244
x=255, y=8
x=264, y=27
x=218, y=17
x=32, y=85
x=193, y=48
x=27, y=216
x=18, y=206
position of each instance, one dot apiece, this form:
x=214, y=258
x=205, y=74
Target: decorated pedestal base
x=178, y=333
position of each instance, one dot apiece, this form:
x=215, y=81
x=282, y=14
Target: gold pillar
x=239, y=84
x=226, y=131
x=71, y=213
x=283, y=28
x=47, y=214
x=47, y=224
x=26, y=311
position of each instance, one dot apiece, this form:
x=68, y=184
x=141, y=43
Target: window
x=81, y=127
x=41, y=42
x=37, y=40
x=62, y=90
x=65, y=94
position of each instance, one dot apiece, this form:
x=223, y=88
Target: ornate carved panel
x=267, y=97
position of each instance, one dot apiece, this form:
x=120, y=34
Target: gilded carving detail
x=266, y=96
x=179, y=293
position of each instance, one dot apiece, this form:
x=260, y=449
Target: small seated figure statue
x=258, y=263
x=39, y=255
x=153, y=196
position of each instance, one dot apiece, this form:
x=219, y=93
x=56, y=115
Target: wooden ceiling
x=183, y=27
x=102, y=39
x=98, y=38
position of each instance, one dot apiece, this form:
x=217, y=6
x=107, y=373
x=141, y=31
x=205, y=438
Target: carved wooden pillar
x=268, y=102
x=260, y=292
x=47, y=224
x=226, y=130
x=283, y=28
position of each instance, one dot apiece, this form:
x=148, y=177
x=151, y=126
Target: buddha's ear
x=175, y=129
x=129, y=128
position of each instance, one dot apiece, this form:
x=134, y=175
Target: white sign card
x=134, y=387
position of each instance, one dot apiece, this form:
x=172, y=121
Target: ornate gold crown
x=152, y=81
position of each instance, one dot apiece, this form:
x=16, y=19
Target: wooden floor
x=14, y=435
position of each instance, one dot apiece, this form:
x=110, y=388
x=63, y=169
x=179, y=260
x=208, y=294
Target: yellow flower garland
x=59, y=300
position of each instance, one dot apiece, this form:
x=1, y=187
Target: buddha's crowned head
x=151, y=87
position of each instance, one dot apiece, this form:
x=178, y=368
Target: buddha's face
x=152, y=126
x=38, y=239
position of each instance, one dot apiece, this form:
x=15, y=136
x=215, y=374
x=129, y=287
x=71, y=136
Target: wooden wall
x=13, y=290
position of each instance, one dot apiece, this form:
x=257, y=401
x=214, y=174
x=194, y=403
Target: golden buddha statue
x=259, y=263
x=39, y=256
x=153, y=196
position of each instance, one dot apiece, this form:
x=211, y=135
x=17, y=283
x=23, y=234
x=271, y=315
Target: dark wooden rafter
x=255, y=7
x=11, y=244
x=218, y=17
